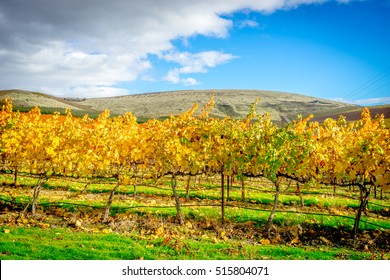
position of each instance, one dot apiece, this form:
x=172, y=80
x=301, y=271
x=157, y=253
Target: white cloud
x=368, y=101
x=148, y=78
x=173, y=76
x=95, y=91
x=64, y=46
x=56, y=67
x=190, y=82
x=193, y=63
x=248, y=23
x=344, y=1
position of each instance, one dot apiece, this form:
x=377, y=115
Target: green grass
x=154, y=205
x=65, y=244
x=235, y=213
x=258, y=198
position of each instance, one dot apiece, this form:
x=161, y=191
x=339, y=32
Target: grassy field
x=314, y=225
x=66, y=244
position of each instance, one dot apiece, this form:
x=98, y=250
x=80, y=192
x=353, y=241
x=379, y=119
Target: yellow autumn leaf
x=159, y=231
x=126, y=180
x=189, y=225
x=78, y=223
x=43, y=225
x=326, y=241
x=295, y=240
x=265, y=241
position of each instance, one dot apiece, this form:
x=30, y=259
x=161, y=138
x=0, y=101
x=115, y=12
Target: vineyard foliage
x=336, y=152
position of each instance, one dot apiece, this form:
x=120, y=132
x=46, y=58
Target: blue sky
x=330, y=49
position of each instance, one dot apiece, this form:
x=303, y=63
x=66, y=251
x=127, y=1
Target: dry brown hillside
x=235, y=103
x=353, y=114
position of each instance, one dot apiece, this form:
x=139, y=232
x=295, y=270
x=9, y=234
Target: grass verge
x=18, y=243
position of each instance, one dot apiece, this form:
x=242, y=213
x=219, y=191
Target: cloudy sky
x=95, y=48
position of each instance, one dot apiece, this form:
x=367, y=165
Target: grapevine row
x=336, y=152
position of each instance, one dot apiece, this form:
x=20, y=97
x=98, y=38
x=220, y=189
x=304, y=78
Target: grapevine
x=336, y=152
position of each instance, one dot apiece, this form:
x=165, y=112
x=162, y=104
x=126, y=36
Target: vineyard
x=198, y=177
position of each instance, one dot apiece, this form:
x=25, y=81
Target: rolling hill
x=26, y=100
x=353, y=113
x=235, y=103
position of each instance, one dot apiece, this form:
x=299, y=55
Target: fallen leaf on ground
x=78, y=223
x=107, y=230
x=326, y=241
x=265, y=241
x=189, y=225
x=159, y=231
